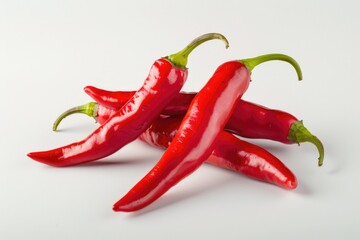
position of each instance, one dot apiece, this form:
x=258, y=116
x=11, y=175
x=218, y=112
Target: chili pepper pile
x=193, y=127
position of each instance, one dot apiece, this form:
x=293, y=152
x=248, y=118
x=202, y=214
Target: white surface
x=50, y=50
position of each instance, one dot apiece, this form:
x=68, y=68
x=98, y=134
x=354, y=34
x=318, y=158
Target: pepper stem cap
x=251, y=63
x=89, y=109
x=299, y=133
x=180, y=58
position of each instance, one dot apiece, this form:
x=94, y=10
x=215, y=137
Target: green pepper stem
x=299, y=133
x=180, y=58
x=88, y=109
x=251, y=63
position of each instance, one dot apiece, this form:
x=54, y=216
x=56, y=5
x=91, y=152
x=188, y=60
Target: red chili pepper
x=163, y=83
x=229, y=152
x=208, y=113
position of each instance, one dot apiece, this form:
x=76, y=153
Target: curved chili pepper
x=163, y=83
x=229, y=152
x=248, y=119
x=262, y=122
x=195, y=139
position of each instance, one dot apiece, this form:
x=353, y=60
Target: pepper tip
x=117, y=208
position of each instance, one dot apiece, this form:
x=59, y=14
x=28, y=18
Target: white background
x=50, y=50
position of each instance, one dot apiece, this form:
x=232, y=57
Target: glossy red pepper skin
x=205, y=119
x=251, y=120
x=110, y=99
x=229, y=152
x=252, y=161
x=162, y=84
x=248, y=119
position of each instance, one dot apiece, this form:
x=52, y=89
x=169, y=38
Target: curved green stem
x=299, y=133
x=180, y=58
x=88, y=109
x=251, y=63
